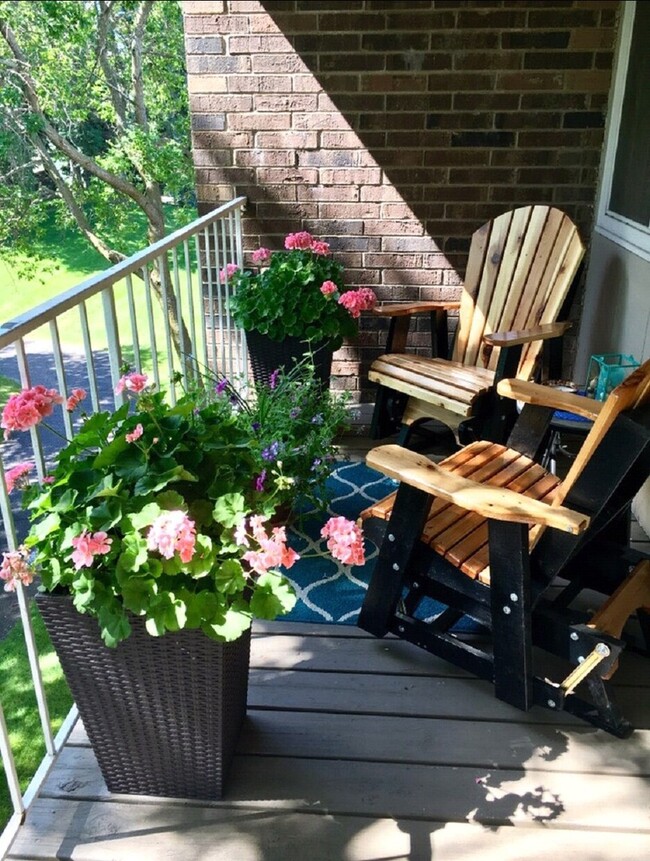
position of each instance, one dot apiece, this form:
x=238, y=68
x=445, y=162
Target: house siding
x=395, y=128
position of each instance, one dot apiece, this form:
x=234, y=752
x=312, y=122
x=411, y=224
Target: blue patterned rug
x=327, y=590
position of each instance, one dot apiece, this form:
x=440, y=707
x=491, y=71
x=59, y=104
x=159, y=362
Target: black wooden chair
x=495, y=537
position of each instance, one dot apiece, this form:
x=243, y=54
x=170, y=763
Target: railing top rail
x=30, y=320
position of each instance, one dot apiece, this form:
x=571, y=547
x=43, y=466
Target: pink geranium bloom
x=15, y=569
x=356, y=301
x=262, y=255
x=15, y=477
x=301, y=241
x=272, y=552
x=328, y=287
x=135, y=434
x=228, y=270
x=171, y=532
x=320, y=247
x=133, y=382
x=87, y=546
x=26, y=409
x=76, y=396
x=345, y=540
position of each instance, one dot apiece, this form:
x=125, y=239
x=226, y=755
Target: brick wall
x=395, y=128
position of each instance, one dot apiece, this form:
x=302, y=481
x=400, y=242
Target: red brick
x=286, y=176
x=355, y=176
x=348, y=210
x=266, y=44
x=286, y=102
x=337, y=193
x=318, y=120
x=256, y=121
x=287, y=140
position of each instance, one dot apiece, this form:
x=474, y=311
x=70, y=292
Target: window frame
x=621, y=230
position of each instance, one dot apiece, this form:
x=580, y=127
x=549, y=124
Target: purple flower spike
x=259, y=481
x=273, y=379
x=271, y=452
x=221, y=386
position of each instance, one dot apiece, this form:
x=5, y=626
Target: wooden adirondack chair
x=519, y=271
x=489, y=533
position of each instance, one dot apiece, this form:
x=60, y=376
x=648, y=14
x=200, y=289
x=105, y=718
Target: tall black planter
x=267, y=356
x=163, y=714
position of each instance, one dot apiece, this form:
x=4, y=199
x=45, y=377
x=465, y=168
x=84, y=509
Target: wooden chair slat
x=487, y=285
x=436, y=369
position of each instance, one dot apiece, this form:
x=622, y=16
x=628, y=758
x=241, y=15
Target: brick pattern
x=395, y=128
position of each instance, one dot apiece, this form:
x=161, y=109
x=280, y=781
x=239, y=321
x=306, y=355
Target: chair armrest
x=492, y=502
x=525, y=336
x=547, y=396
x=406, y=309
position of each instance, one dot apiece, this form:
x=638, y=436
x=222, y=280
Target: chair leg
x=400, y=541
x=387, y=414
x=510, y=596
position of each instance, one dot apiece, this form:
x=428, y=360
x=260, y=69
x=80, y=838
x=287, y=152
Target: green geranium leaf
x=273, y=596
x=111, y=452
x=171, y=500
x=136, y=593
x=105, y=515
x=145, y=517
x=237, y=621
x=229, y=509
x=84, y=591
x=47, y=526
x=229, y=577
x=134, y=553
x=114, y=624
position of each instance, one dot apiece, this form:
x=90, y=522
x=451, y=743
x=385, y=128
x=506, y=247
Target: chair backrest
x=631, y=394
x=519, y=271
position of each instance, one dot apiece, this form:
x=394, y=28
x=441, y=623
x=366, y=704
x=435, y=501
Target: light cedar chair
x=493, y=536
x=519, y=271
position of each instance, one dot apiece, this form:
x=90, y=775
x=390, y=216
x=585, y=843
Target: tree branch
x=118, y=98
x=74, y=207
x=58, y=141
x=142, y=15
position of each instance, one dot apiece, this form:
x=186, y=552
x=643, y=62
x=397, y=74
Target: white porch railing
x=82, y=339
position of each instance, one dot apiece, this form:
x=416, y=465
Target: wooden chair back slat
x=519, y=271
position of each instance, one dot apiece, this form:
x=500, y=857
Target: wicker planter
x=267, y=356
x=163, y=714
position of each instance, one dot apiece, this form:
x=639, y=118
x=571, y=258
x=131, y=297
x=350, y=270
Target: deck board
x=358, y=749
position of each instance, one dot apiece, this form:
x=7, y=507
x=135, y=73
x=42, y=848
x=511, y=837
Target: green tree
x=94, y=118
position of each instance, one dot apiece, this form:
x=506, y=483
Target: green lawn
x=19, y=704
x=63, y=260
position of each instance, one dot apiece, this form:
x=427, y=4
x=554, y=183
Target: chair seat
x=461, y=536
x=450, y=385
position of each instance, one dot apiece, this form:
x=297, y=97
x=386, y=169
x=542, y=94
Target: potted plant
x=153, y=541
x=295, y=302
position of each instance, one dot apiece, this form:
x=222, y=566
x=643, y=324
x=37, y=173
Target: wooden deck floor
x=356, y=748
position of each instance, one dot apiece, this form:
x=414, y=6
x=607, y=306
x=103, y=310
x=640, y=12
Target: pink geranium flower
x=301, y=241
x=15, y=477
x=26, y=409
x=262, y=255
x=228, y=270
x=76, y=396
x=356, y=301
x=15, y=569
x=87, y=546
x=345, y=540
x=172, y=532
x=135, y=434
x=328, y=287
x=132, y=382
x=320, y=247
x=272, y=551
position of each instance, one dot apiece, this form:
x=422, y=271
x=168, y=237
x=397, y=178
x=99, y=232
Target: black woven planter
x=163, y=714
x=267, y=356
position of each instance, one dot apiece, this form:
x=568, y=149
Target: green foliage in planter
x=296, y=293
